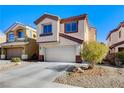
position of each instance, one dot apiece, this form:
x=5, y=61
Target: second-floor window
x=20, y=34
x=11, y=36
x=71, y=27
x=47, y=29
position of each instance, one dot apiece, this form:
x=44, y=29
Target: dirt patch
x=99, y=77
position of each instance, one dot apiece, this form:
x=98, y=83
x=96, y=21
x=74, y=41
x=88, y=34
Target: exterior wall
x=56, y=40
x=79, y=34
x=28, y=33
x=115, y=37
x=28, y=50
x=86, y=30
x=116, y=49
x=31, y=48
x=83, y=30
x=25, y=29
x=63, y=42
x=4, y=50
x=92, y=34
x=55, y=30
x=14, y=30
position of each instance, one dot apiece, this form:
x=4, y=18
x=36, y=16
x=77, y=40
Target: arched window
x=20, y=34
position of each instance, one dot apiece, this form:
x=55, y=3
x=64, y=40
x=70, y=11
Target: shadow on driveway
x=59, y=68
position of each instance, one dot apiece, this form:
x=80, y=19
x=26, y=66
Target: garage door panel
x=61, y=54
x=14, y=53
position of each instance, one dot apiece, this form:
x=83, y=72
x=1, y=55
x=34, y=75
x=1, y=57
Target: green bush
x=94, y=52
x=120, y=56
x=16, y=59
x=111, y=58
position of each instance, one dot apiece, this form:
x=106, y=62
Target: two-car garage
x=60, y=54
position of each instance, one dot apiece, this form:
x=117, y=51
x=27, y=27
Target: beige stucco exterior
x=92, y=34
x=55, y=40
x=55, y=30
x=115, y=38
x=27, y=45
x=81, y=30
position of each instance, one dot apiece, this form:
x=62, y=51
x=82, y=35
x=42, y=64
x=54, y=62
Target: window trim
x=11, y=40
x=48, y=33
x=23, y=33
x=71, y=28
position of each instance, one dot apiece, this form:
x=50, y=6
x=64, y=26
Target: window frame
x=71, y=27
x=21, y=31
x=11, y=39
x=48, y=29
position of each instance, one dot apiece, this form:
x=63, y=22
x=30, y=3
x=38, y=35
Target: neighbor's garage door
x=16, y=52
x=60, y=54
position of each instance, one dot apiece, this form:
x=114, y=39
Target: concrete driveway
x=34, y=75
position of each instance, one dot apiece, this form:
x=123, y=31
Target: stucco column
x=78, y=57
x=41, y=53
x=24, y=56
x=2, y=53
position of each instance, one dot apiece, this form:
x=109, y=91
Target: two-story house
x=115, y=39
x=20, y=42
x=60, y=40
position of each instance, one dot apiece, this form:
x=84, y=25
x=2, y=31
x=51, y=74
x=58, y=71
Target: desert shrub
x=120, y=57
x=110, y=58
x=94, y=52
x=15, y=59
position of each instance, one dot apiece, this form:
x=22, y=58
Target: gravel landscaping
x=99, y=77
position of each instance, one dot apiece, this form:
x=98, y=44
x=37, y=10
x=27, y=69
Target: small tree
x=94, y=52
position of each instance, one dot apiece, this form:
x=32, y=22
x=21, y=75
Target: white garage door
x=15, y=52
x=60, y=54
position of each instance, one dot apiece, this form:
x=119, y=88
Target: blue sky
x=104, y=18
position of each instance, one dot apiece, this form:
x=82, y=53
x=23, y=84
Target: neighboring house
x=60, y=40
x=20, y=42
x=115, y=39
x=2, y=40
